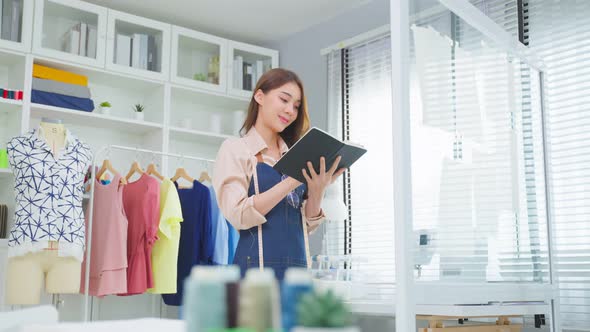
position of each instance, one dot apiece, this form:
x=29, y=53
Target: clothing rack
x=100, y=152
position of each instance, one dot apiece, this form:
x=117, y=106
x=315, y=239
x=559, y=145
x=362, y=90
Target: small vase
x=105, y=110
x=326, y=329
x=139, y=116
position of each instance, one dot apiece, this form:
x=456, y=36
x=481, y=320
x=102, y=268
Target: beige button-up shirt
x=234, y=167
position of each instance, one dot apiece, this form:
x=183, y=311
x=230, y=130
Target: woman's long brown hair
x=274, y=79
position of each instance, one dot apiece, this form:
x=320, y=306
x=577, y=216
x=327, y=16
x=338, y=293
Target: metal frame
x=405, y=307
x=91, y=205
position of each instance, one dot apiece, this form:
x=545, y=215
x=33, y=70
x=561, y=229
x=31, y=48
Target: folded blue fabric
x=55, y=99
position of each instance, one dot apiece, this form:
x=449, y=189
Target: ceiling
x=253, y=21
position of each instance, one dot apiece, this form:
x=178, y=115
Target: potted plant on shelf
x=323, y=312
x=138, y=110
x=105, y=107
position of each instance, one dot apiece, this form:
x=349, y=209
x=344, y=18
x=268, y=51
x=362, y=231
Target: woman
x=273, y=212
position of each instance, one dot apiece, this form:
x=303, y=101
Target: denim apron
x=282, y=241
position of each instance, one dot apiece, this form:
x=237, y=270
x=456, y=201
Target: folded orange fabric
x=59, y=75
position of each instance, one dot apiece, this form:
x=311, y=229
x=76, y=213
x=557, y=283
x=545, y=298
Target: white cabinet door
x=70, y=30
x=246, y=63
x=198, y=60
x=138, y=46
x=17, y=25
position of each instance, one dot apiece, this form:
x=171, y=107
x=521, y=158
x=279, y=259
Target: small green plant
x=200, y=77
x=105, y=104
x=138, y=108
x=323, y=310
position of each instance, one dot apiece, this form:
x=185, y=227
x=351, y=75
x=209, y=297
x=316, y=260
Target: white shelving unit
x=185, y=113
x=59, y=22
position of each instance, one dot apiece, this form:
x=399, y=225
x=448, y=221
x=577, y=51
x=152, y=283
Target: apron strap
x=306, y=240
x=256, y=191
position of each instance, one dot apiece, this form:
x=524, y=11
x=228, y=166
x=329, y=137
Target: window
x=559, y=31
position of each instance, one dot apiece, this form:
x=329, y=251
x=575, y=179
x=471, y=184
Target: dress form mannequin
x=54, y=133
x=49, y=262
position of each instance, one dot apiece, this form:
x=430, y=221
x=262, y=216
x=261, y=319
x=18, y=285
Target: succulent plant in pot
x=323, y=312
x=138, y=110
x=105, y=107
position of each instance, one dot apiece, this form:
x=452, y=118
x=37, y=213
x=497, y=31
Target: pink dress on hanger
x=108, y=257
x=141, y=200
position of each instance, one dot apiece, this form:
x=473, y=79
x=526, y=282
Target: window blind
x=360, y=107
x=559, y=31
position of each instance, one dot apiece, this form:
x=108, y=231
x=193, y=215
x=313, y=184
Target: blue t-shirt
x=219, y=232
x=196, y=244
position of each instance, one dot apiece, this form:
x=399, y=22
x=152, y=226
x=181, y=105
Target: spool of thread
x=204, y=299
x=232, y=296
x=230, y=275
x=259, y=307
x=297, y=282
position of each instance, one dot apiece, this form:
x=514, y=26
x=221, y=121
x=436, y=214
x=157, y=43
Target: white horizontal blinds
x=560, y=33
x=334, y=230
x=368, y=121
x=468, y=159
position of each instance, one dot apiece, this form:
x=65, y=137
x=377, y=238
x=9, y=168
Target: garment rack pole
x=95, y=158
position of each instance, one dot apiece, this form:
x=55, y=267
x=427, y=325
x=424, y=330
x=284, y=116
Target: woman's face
x=278, y=108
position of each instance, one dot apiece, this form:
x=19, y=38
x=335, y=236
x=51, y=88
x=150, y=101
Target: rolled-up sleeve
x=231, y=180
x=312, y=222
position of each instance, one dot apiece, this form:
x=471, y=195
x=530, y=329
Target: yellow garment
x=165, y=251
x=58, y=75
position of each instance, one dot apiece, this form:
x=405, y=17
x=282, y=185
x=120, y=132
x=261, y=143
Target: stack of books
x=80, y=39
x=247, y=73
x=60, y=88
x=137, y=50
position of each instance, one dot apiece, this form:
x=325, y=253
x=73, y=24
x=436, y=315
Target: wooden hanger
x=151, y=170
x=181, y=173
x=205, y=177
x=135, y=168
x=107, y=166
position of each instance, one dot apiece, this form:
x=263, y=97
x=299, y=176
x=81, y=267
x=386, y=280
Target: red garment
x=141, y=200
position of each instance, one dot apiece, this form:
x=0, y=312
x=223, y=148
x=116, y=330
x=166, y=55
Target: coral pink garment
x=108, y=258
x=141, y=200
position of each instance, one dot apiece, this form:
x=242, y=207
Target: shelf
x=93, y=119
x=10, y=105
x=10, y=58
x=215, y=99
x=102, y=76
x=514, y=309
x=190, y=134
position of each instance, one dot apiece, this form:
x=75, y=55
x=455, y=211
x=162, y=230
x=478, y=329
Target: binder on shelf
x=123, y=50
x=91, y=41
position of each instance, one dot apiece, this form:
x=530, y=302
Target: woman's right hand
x=318, y=182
